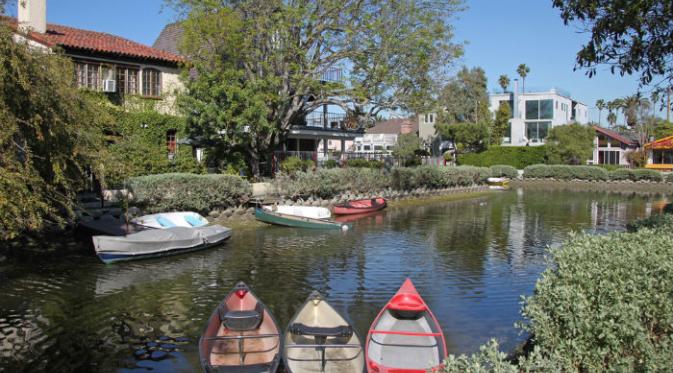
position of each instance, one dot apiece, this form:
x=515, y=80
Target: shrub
x=174, y=192
x=610, y=167
x=565, y=172
x=669, y=177
x=294, y=164
x=504, y=171
x=516, y=156
x=407, y=178
x=488, y=359
x=364, y=163
x=655, y=222
x=330, y=163
x=645, y=174
x=622, y=174
x=604, y=304
x=326, y=183
x=637, y=158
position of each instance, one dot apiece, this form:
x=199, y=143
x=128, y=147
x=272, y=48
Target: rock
x=182, y=340
x=140, y=354
x=240, y=211
x=214, y=214
x=152, y=344
x=250, y=210
x=165, y=338
x=158, y=355
x=168, y=346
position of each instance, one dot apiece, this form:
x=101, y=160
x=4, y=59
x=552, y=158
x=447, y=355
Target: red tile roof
x=663, y=143
x=92, y=41
x=614, y=135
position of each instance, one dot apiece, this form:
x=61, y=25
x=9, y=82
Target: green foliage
x=604, y=304
x=295, y=164
x=637, y=158
x=629, y=39
x=464, y=98
x=669, y=178
x=488, y=359
x=326, y=183
x=504, y=171
x=330, y=163
x=405, y=178
x=515, y=156
x=564, y=172
x=610, y=167
x=570, y=144
x=501, y=123
x=256, y=62
x=367, y=163
x=645, y=174
x=407, y=145
x=467, y=137
x=662, y=129
x=655, y=222
x=51, y=132
x=179, y=191
x=622, y=174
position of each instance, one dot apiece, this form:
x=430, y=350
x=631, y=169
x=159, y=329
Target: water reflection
x=471, y=260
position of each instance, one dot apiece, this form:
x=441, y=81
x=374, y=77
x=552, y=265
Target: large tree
x=600, y=105
x=503, y=81
x=501, y=123
x=464, y=99
x=628, y=36
x=50, y=132
x=570, y=144
x=258, y=67
x=523, y=71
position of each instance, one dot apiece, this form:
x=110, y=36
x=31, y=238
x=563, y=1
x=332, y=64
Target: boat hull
x=360, y=206
x=405, y=336
x=319, y=339
x=158, y=243
x=241, y=336
x=275, y=218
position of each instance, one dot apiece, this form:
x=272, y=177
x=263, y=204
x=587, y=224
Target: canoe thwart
x=317, y=331
x=405, y=334
x=230, y=337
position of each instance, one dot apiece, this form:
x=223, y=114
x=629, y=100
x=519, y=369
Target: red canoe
x=405, y=337
x=360, y=206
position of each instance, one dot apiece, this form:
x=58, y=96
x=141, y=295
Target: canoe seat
x=241, y=320
x=316, y=331
x=407, y=306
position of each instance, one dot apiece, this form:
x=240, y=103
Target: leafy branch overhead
x=259, y=67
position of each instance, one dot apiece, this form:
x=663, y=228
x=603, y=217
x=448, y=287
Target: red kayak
x=360, y=206
x=405, y=337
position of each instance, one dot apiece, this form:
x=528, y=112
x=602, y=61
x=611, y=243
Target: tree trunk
x=253, y=161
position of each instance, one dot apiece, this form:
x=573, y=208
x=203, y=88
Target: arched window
x=151, y=82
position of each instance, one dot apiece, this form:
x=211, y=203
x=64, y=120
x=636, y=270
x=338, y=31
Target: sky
x=498, y=35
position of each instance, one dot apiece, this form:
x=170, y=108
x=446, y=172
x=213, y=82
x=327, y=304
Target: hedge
x=516, y=156
x=603, y=304
x=504, y=171
x=293, y=164
x=179, y=191
x=636, y=175
x=564, y=172
x=326, y=183
x=364, y=163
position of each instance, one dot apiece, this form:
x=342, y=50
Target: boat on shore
x=241, y=336
x=497, y=183
x=299, y=217
x=319, y=339
x=360, y=206
x=171, y=219
x=405, y=336
x=158, y=242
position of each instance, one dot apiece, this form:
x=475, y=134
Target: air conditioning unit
x=109, y=86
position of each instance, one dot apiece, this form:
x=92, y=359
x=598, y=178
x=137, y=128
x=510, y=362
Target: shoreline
x=622, y=187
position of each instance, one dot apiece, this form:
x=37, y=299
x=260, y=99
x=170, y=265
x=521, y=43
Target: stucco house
x=383, y=136
x=611, y=147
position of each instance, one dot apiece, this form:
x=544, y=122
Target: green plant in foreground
x=504, y=171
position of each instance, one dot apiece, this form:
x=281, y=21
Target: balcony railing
x=326, y=121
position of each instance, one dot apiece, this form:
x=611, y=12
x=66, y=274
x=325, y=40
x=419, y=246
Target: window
x=539, y=109
x=151, y=82
x=537, y=131
x=432, y=118
x=603, y=141
x=367, y=147
x=171, y=142
x=662, y=156
x=608, y=157
x=127, y=80
x=507, y=139
x=87, y=75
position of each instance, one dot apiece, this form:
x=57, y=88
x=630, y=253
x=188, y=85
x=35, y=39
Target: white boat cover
x=302, y=211
x=160, y=240
x=496, y=180
x=171, y=219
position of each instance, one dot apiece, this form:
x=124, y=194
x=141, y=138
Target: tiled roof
x=614, y=135
x=92, y=41
x=169, y=39
x=663, y=143
x=393, y=126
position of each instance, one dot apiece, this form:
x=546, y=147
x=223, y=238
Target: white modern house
x=535, y=113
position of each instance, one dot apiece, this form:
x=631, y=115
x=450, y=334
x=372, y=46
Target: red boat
x=405, y=337
x=360, y=206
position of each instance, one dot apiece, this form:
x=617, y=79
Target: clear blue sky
x=500, y=35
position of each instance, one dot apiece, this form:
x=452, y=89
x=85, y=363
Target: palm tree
x=523, y=71
x=600, y=105
x=612, y=118
x=632, y=106
x=504, y=82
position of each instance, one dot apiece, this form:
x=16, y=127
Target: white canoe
x=301, y=211
x=171, y=219
x=158, y=242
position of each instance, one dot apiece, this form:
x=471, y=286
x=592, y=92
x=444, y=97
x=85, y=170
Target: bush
x=655, y=222
x=406, y=178
x=669, y=178
x=604, y=304
x=326, y=183
x=504, y=171
x=488, y=359
x=294, y=164
x=516, y=156
x=175, y=192
x=330, y=163
x=564, y=172
x=621, y=174
x=645, y=174
x=364, y=163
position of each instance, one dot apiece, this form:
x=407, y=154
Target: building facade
x=382, y=138
x=535, y=113
x=660, y=154
x=611, y=147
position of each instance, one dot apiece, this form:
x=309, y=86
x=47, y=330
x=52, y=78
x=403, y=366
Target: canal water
x=471, y=260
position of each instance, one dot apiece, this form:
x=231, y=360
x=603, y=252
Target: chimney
x=405, y=128
x=33, y=15
x=515, y=99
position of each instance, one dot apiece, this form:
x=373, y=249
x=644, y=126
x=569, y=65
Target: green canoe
x=273, y=217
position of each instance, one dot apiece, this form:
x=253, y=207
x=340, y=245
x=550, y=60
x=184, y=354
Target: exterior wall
x=375, y=143
x=562, y=113
x=612, y=145
x=31, y=43
x=426, y=127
